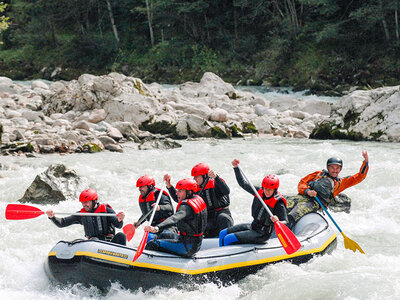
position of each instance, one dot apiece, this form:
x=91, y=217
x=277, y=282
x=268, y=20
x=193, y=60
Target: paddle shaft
x=87, y=214
x=25, y=212
x=288, y=240
x=255, y=192
x=158, y=201
x=329, y=215
x=143, y=218
x=143, y=242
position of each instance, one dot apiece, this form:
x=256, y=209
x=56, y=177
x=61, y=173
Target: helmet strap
x=149, y=189
x=94, y=205
x=189, y=194
x=205, y=176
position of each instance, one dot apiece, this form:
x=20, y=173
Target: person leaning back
x=325, y=184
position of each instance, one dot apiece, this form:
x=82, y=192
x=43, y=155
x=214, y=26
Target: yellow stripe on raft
x=204, y=270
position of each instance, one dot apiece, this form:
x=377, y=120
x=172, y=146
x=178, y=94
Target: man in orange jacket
x=326, y=184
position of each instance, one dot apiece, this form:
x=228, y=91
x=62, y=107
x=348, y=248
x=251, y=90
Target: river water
x=374, y=221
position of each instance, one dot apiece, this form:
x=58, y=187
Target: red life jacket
x=210, y=184
x=197, y=203
x=272, y=201
x=101, y=209
x=194, y=226
x=150, y=197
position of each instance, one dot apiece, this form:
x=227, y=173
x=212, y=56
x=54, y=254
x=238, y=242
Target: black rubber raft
x=99, y=263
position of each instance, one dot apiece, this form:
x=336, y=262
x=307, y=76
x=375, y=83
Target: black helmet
x=334, y=161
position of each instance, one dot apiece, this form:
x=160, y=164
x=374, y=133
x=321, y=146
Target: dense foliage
x=318, y=44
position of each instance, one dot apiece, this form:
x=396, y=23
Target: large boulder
x=364, y=115
x=55, y=184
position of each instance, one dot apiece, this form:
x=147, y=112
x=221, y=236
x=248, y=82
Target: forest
x=324, y=46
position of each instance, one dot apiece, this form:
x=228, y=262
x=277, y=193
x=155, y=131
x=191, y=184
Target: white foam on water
x=374, y=221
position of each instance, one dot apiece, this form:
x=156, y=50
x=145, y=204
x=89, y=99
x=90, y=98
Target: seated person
x=190, y=218
x=99, y=227
x=215, y=192
x=260, y=230
x=147, y=199
x=317, y=183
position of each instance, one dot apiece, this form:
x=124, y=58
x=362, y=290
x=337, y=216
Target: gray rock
x=127, y=130
x=106, y=140
x=342, y=203
x=159, y=144
x=219, y=115
x=5, y=80
x=39, y=84
x=114, y=147
x=97, y=115
x=114, y=133
x=56, y=184
x=19, y=134
x=81, y=125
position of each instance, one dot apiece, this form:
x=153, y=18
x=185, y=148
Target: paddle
x=24, y=212
x=286, y=237
x=143, y=242
x=348, y=243
x=129, y=229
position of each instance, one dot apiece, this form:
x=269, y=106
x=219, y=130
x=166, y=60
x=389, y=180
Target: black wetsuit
x=191, y=225
x=99, y=227
x=259, y=231
x=166, y=208
x=216, y=195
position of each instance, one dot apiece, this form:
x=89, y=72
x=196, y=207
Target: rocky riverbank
x=95, y=113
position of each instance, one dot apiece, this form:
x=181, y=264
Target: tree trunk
x=385, y=28
x=396, y=19
x=279, y=9
x=207, y=31
x=290, y=9
x=235, y=25
x=99, y=21
x=149, y=20
x=51, y=25
x=114, y=28
x=384, y=23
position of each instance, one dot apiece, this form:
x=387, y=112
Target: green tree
x=4, y=20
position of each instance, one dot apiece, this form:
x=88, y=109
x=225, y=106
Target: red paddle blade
x=22, y=212
x=287, y=238
x=129, y=231
x=142, y=244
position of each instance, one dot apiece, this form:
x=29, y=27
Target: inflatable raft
x=100, y=263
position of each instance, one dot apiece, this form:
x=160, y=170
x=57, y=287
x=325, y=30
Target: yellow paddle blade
x=350, y=244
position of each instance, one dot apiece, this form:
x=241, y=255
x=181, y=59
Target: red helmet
x=88, y=195
x=270, y=181
x=200, y=169
x=187, y=184
x=145, y=180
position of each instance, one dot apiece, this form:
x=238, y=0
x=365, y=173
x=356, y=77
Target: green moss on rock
x=162, y=127
x=249, y=127
x=351, y=118
x=376, y=135
x=322, y=131
x=329, y=131
x=218, y=133
x=91, y=148
x=236, y=132
x=138, y=85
